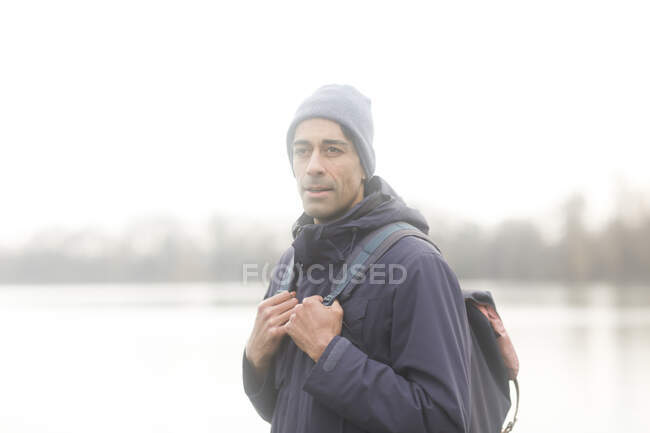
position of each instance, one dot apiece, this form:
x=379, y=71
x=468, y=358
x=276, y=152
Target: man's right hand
x=272, y=314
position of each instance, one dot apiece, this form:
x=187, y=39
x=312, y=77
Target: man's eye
x=299, y=152
x=333, y=149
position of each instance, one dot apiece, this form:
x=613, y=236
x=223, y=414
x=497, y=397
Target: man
x=395, y=356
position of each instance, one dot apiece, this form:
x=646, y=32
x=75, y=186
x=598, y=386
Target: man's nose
x=315, y=165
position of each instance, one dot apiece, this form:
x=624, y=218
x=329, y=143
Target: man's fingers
x=313, y=299
x=298, y=308
x=288, y=325
x=278, y=298
x=280, y=331
x=283, y=318
x=283, y=306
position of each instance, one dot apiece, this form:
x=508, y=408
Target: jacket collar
x=333, y=241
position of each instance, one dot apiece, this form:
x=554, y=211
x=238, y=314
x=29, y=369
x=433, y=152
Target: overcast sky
x=117, y=110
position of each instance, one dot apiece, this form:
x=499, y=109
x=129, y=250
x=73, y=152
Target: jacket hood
x=333, y=241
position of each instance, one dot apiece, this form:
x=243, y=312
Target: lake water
x=167, y=358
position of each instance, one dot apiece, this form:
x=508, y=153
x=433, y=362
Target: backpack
x=494, y=361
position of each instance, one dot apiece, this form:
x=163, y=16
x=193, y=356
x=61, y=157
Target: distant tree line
x=617, y=252
x=162, y=251
x=149, y=251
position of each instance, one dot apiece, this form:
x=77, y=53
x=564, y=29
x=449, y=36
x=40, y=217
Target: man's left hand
x=312, y=325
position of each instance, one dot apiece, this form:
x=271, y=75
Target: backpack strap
x=287, y=276
x=511, y=424
x=368, y=252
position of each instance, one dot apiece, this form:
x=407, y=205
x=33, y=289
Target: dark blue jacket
x=402, y=361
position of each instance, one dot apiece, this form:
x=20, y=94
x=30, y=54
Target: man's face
x=327, y=169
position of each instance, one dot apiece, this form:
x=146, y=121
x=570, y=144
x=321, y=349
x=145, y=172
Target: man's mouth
x=318, y=191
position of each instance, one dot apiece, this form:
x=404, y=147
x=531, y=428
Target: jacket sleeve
x=426, y=387
x=261, y=393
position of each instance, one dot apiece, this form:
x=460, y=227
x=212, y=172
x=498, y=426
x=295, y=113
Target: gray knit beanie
x=347, y=106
